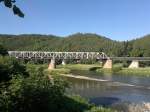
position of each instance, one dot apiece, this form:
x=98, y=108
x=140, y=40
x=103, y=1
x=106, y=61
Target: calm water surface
x=108, y=93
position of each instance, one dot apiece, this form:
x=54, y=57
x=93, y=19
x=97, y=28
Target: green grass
x=136, y=71
x=80, y=66
x=127, y=71
x=89, y=107
x=58, y=71
x=117, y=69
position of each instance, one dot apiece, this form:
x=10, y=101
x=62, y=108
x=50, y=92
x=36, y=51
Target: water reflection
x=105, y=101
x=135, y=80
x=107, y=93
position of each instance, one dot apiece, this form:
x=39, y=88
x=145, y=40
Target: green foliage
x=88, y=61
x=135, y=72
x=38, y=92
x=141, y=47
x=10, y=67
x=33, y=94
x=117, y=68
x=58, y=71
x=77, y=42
x=81, y=66
x=3, y=51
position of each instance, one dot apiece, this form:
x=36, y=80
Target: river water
x=116, y=88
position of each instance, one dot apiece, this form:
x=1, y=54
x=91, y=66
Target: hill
x=141, y=46
x=77, y=42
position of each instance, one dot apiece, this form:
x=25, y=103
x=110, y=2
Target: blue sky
x=115, y=19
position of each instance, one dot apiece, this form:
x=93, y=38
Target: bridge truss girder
x=58, y=55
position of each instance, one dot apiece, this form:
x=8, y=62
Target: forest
x=77, y=42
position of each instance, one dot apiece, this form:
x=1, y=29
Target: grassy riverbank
x=81, y=66
x=117, y=69
x=79, y=104
x=137, y=71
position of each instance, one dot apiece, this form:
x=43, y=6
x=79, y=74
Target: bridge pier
x=134, y=64
x=52, y=64
x=108, y=64
x=63, y=62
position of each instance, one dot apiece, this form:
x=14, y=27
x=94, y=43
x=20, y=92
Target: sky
x=115, y=19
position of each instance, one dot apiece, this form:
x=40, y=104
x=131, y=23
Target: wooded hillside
x=77, y=42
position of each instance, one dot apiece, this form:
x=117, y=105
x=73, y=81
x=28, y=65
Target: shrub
x=117, y=68
x=10, y=67
x=36, y=93
x=3, y=51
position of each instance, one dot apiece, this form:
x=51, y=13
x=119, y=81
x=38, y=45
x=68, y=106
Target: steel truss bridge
x=69, y=55
x=57, y=55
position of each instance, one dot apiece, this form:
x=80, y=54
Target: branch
x=11, y=4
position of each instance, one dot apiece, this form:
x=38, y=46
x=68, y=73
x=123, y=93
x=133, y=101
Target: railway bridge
x=108, y=61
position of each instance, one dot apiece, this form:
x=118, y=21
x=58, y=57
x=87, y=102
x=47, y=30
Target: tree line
x=77, y=42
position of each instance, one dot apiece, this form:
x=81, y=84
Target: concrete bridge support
x=63, y=62
x=108, y=64
x=52, y=64
x=134, y=64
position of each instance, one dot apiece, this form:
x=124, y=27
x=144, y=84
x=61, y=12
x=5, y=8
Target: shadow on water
x=104, y=101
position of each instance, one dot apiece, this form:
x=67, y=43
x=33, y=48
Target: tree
x=11, y=4
x=10, y=67
x=36, y=93
x=3, y=51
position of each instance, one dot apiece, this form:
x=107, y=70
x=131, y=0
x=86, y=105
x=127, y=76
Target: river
x=116, y=88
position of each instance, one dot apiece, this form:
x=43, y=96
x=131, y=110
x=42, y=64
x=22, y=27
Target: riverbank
x=118, y=70
x=81, y=66
x=138, y=71
x=145, y=72
x=112, y=83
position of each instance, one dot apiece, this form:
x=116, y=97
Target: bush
x=36, y=93
x=3, y=51
x=10, y=67
x=117, y=68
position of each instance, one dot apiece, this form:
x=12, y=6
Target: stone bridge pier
x=52, y=64
x=134, y=64
x=63, y=62
x=108, y=64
